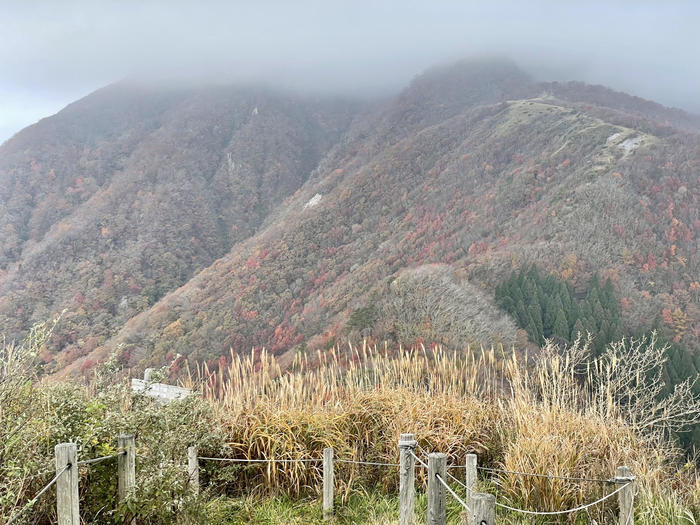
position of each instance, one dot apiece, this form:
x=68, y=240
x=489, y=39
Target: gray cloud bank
x=52, y=52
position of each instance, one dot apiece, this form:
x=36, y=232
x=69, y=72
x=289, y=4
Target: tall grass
x=562, y=414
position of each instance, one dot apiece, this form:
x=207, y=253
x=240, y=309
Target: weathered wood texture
x=407, y=474
x=126, y=465
x=67, y=502
x=193, y=469
x=327, y=483
x=625, y=497
x=437, y=465
x=470, y=472
x=483, y=509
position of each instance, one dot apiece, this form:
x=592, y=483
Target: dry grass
x=556, y=417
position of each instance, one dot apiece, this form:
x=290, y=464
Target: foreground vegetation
x=565, y=416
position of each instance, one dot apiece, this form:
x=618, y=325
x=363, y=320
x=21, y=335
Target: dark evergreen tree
x=561, y=326
x=546, y=307
x=577, y=329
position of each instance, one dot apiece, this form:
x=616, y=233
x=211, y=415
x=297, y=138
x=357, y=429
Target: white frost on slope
x=613, y=138
x=629, y=145
x=313, y=201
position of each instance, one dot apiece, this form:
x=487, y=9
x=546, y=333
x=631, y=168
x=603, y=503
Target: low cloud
x=53, y=52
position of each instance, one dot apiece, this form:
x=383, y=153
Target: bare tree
x=429, y=302
x=626, y=381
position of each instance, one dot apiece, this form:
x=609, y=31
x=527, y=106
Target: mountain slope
x=481, y=179
x=124, y=195
x=186, y=222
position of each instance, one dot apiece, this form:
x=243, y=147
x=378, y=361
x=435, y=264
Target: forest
x=548, y=309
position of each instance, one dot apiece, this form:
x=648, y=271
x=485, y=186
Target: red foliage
x=651, y=263
x=666, y=316
x=478, y=247
x=249, y=315
x=87, y=365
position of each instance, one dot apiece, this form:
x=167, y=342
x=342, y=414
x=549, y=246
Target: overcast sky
x=55, y=51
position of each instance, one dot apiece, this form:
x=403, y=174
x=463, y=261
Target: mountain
x=126, y=194
x=188, y=222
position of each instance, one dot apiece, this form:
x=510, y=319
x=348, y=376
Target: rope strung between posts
x=421, y=450
x=568, y=511
x=449, y=489
x=243, y=460
x=35, y=498
x=306, y=460
x=469, y=491
x=448, y=466
x=99, y=460
x=549, y=476
x=371, y=463
x=533, y=512
x=515, y=472
x=419, y=460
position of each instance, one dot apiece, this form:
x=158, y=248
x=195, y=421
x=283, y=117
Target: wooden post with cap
x=407, y=492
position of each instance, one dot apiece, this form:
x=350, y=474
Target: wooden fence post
x=483, y=509
x=470, y=473
x=67, y=502
x=625, y=497
x=327, y=483
x=407, y=491
x=193, y=469
x=126, y=465
x=437, y=465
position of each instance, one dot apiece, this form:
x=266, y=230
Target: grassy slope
x=544, y=419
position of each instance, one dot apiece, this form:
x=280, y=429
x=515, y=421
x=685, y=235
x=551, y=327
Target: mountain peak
x=448, y=89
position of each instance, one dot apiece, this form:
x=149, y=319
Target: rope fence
x=66, y=479
x=479, y=507
x=97, y=460
x=482, y=506
x=244, y=460
x=567, y=511
x=32, y=501
x=452, y=492
x=476, y=499
x=549, y=476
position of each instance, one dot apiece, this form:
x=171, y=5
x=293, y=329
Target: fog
x=52, y=53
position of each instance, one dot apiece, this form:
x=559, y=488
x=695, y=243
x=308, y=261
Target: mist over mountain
x=177, y=221
x=127, y=193
x=54, y=53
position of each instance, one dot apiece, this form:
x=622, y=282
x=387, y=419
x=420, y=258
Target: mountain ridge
x=474, y=170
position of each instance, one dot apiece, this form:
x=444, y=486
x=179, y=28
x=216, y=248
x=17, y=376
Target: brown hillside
x=125, y=195
x=462, y=185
